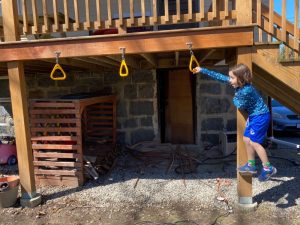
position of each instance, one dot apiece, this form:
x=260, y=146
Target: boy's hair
x=243, y=74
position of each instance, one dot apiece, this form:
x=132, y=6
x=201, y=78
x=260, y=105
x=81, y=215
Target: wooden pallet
x=58, y=128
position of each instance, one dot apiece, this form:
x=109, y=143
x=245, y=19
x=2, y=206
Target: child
x=248, y=99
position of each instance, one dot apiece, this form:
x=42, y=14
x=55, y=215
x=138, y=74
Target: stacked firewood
x=99, y=159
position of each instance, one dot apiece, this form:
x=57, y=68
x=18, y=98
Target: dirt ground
x=72, y=210
x=73, y=214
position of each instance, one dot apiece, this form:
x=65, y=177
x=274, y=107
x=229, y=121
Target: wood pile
x=59, y=128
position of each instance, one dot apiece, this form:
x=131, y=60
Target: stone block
x=142, y=108
x=212, y=124
x=143, y=76
x=211, y=138
x=31, y=82
x=229, y=90
x=68, y=82
x=121, y=138
x=211, y=88
x=146, y=91
x=142, y=135
x=112, y=78
x=130, y=123
x=147, y=122
x=231, y=125
x=121, y=109
x=130, y=91
x=36, y=93
x=46, y=82
x=214, y=105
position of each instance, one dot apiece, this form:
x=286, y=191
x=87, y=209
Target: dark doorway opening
x=176, y=105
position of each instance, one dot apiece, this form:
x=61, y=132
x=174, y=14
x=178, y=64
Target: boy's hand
x=196, y=69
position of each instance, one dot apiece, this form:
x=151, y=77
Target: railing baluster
x=66, y=11
x=226, y=8
x=167, y=10
x=202, y=9
x=258, y=19
x=131, y=12
x=76, y=12
x=87, y=23
x=45, y=15
x=190, y=10
x=55, y=16
x=271, y=14
x=154, y=7
x=98, y=16
x=283, y=21
x=120, y=12
x=178, y=10
x=143, y=8
x=214, y=9
x=109, y=15
x=62, y=22
x=25, y=16
x=35, y=17
x=258, y=12
x=296, y=29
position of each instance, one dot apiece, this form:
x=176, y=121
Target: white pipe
x=290, y=144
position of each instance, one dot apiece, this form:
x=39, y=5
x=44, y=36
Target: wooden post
x=20, y=109
x=244, y=183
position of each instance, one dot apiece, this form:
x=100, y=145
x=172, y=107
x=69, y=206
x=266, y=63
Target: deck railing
x=48, y=16
x=277, y=26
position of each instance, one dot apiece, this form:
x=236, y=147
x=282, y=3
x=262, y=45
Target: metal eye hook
x=123, y=52
x=190, y=45
x=57, y=53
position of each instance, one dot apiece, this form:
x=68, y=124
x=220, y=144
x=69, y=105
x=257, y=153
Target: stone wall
x=136, y=98
x=137, y=113
x=215, y=111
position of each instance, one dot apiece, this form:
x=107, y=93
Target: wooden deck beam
x=138, y=43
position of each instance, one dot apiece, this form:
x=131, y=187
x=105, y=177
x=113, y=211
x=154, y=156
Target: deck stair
x=279, y=80
x=275, y=57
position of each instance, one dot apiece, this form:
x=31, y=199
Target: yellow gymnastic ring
x=58, y=67
x=193, y=59
x=123, y=67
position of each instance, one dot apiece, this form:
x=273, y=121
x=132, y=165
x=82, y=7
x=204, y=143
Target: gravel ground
x=137, y=191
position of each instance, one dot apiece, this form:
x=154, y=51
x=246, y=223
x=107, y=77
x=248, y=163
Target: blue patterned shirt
x=245, y=98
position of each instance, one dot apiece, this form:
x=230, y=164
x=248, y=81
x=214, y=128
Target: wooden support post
x=20, y=115
x=18, y=94
x=244, y=184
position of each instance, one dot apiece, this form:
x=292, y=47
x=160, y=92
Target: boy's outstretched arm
x=214, y=75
